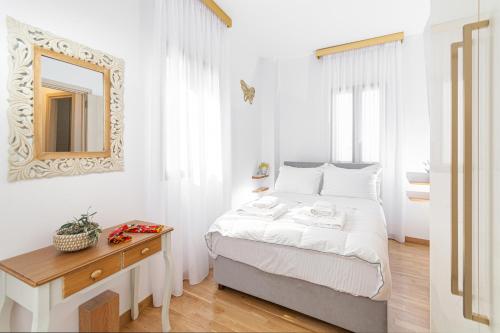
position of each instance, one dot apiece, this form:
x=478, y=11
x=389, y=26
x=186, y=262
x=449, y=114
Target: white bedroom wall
x=303, y=123
x=267, y=103
x=245, y=118
x=32, y=210
x=254, y=127
x=417, y=132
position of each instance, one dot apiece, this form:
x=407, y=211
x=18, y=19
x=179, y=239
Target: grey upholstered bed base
x=358, y=314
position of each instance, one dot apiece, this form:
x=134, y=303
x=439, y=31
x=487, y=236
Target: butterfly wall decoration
x=248, y=92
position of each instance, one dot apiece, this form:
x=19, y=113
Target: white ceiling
x=290, y=28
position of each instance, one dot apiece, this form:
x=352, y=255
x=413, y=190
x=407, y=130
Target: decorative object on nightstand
x=248, y=92
x=263, y=169
x=78, y=234
x=262, y=173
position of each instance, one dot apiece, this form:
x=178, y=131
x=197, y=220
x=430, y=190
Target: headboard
x=317, y=164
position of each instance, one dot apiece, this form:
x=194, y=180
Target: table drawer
x=141, y=251
x=88, y=275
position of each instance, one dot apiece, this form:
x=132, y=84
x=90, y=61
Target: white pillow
x=356, y=183
x=298, y=180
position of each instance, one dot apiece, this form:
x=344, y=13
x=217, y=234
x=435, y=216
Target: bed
x=338, y=276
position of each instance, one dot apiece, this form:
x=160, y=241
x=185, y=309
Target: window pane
x=370, y=125
x=342, y=125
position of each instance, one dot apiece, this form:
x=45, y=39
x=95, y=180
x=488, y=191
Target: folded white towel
x=304, y=216
x=266, y=202
x=323, y=208
x=266, y=213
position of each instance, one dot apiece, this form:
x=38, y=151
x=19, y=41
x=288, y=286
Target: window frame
x=357, y=112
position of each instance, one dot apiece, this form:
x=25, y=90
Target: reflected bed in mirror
x=72, y=107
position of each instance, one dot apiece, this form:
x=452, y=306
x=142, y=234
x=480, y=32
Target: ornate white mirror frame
x=22, y=40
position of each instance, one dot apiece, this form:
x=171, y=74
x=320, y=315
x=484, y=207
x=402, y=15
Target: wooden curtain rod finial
x=398, y=36
x=219, y=12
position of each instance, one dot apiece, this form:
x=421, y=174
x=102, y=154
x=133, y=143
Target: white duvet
x=363, y=239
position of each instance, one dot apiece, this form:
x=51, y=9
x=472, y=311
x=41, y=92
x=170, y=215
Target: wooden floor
x=409, y=303
x=204, y=308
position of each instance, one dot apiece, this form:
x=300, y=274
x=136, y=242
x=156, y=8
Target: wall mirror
x=65, y=106
x=71, y=107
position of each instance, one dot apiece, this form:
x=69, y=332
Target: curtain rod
x=221, y=14
x=398, y=36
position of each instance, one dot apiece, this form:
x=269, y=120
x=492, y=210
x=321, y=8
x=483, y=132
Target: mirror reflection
x=74, y=107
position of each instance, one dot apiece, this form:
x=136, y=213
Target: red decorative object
x=118, y=235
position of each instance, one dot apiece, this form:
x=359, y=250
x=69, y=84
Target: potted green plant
x=78, y=234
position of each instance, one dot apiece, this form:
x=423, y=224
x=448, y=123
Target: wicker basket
x=71, y=243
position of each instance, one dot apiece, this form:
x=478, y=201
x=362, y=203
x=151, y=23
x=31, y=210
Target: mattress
x=354, y=261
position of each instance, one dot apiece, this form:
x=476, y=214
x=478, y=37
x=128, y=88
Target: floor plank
x=204, y=308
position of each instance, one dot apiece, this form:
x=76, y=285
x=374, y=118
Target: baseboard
x=126, y=317
x=414, y=240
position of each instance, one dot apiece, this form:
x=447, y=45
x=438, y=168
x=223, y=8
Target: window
x=343, y=128
x=356, y=125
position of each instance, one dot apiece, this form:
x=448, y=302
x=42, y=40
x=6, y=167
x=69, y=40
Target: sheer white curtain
x=370, y=78
x=193, y=131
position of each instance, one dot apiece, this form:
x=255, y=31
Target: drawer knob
x=145, y=250
x=95, y=274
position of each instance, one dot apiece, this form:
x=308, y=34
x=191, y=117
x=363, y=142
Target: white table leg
x=134, y=279
x=5, y=305
x=167, y=293
x=41, y=309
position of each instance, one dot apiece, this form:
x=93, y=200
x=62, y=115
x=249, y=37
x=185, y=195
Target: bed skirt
x=354, y=313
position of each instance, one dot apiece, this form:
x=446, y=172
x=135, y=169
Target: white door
x=489, y=51
x=465, y=279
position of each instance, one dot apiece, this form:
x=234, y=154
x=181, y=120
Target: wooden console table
x=41, y=279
